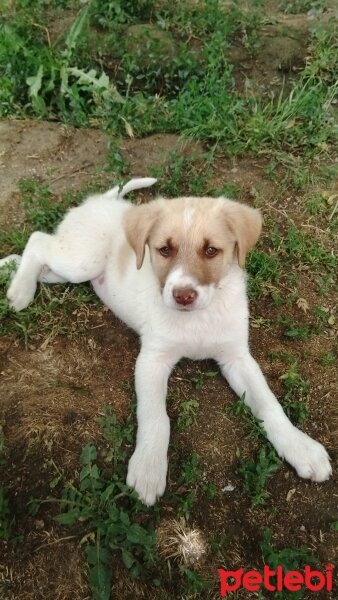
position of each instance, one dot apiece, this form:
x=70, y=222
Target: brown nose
x=184, y=295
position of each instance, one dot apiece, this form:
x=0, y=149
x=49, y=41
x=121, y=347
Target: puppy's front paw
x=21, y=293
x=307, y=456
x=147, y=474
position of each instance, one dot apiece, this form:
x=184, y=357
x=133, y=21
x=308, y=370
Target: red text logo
x=275, y=580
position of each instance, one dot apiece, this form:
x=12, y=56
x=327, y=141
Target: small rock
x=228, y=488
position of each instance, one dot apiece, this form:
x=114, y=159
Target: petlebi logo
x=275, y=580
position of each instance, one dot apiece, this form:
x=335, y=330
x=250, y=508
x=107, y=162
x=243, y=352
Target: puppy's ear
x=245, y=223
x=138, y=223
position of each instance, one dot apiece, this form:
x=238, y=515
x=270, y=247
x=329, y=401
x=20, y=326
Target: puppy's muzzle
x=184, y=296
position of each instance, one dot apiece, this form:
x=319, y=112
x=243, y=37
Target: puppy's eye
x=210, y=251
x=164, y=251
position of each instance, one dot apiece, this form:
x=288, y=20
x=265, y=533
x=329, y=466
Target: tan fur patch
x=137, y=223
x=217, y=222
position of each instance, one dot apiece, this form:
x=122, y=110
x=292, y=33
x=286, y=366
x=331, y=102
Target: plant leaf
x=68, y=518
x=99, y=572
x=88, y=454
x=76, y=30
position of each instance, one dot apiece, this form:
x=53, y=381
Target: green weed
x=100, y=502
x=191, y=470
x=109, y=14
x=48, y=79
x=324, y=318
x=296, y=388
x=292, y=380
x=264, y=270
x=240, y=409
x=290, y=559
x=303, y=249
x=318, y=204
x=56, y=310
x=199, y=379
x=299, y=6
x=191, y=483
x=192, y=93
x=184, y=175
x=288, y=170
x=42, y=212
x=116, y=435
x=255, y=474
x=231, y=190
x=194, y=582
x=294, y=331
x=188, y=410
x=190, y=478
x=328, y=359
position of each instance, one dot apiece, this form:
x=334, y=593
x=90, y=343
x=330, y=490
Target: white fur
x=85, y=247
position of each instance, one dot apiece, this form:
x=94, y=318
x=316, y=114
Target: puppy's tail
x=134, y=184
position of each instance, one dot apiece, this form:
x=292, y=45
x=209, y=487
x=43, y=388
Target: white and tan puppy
x=173, y=271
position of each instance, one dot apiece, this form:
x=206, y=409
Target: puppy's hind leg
x=46, y=275
x=54, y=259
x=30, y=264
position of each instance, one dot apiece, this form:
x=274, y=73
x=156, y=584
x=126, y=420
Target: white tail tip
x=136, y=184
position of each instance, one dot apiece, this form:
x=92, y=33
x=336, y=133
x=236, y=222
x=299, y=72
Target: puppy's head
x=192, y=242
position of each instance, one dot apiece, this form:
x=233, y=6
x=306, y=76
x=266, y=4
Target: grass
x=256, y=473
x=328, y=359
x=264, y=270
x=52, y=305
x=188, y=412
x=300, y=6
x=187, y=175
x=201, y=377
x=55, y=311
x=182, y=81
x=190, y=476
x=192, y=93
x=100, y=502
x=290, y=559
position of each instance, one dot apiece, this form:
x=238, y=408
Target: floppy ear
x=137, y=223
x=245, y=223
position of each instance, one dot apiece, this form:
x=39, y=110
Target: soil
x=54, y=388
x=65, y=157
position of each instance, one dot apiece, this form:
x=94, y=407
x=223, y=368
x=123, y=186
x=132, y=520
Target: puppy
x=173, y=270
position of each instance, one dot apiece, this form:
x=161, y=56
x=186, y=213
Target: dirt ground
x=53, y=390
x=54, y=387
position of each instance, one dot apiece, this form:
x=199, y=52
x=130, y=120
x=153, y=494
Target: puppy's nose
x=184, y=295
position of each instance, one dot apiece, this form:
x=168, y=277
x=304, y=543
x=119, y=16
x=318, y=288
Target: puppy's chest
x=200, y=335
